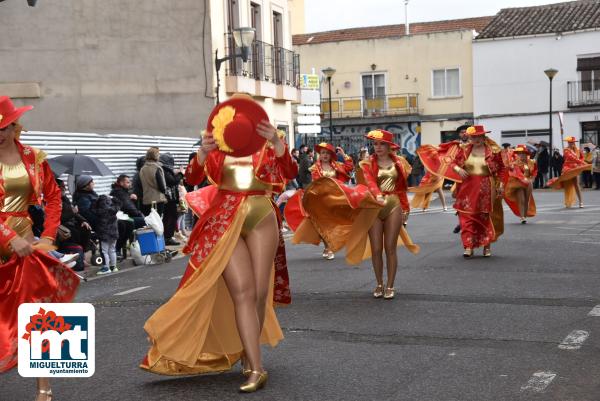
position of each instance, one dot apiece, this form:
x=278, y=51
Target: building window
x=446, y=82
x=590, y=80
x=589, y=67
x=373, y=85
x=256, y=19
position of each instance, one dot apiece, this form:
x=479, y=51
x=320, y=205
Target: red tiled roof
x=387, y=31
x=549, y=18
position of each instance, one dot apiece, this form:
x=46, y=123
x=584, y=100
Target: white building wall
x=280, y=112
x=509, y=79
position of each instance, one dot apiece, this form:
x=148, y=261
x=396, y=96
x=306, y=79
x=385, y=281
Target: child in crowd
x=105, y=209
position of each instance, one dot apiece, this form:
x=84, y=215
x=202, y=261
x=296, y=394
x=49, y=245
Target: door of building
x=590, y=132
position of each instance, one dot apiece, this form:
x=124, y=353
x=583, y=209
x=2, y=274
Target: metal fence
x=360, y=106
x=265, y=63
x=118, y=152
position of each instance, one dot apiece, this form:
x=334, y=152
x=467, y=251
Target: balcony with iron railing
x=276, y=70
x=363, y=107
x=583, y=93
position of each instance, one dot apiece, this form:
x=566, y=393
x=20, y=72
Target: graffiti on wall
x=351, y=138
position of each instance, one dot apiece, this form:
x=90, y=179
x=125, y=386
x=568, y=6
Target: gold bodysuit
x=386, y=181
x=476, y=165
x=238, y=176
x=17, y=189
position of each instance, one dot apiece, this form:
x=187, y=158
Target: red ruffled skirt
x=35, y=278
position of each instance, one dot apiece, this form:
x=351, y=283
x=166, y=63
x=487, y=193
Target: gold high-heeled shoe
x=378, y=293
x=468, y=252
x=389, y=293
x=47, y=393
x=257, y=385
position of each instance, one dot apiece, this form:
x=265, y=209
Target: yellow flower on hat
x=471, y=130
x=375, y=134
x=0, y=117
x=219, y=123
x=323, y=144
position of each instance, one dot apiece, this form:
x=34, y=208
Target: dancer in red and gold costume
x=429, y=184
x=518, y=189
x=573, y=165
x=330, y=211
x=386, y=174
x=27, y=273
x=480, y=172
x=223, y=308
x=328, y=166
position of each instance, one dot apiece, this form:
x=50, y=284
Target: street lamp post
x=243, y=38
x=328, y=72
x=550, y=73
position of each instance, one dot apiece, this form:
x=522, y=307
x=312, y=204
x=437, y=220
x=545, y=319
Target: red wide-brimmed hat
x=477, y=130
x=570, y=139
x=9, y=113
x=325, y=146
x=521, y=149
x=233, y=126
x=382, y=135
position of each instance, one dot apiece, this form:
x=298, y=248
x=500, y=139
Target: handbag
x=63, y=233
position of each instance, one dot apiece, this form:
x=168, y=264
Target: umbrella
x=588, y=145
x=76, y=164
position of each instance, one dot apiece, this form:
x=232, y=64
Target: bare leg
x=239, y=278
x=43, y=384
x=578, y=191
x=391, y=229
x=262, y=244
x=376, y=240
x=521, y=201
x=440, y=193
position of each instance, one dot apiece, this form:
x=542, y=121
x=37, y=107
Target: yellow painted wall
x=414, y=57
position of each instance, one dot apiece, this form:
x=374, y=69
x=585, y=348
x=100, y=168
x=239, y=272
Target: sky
x=325, y=15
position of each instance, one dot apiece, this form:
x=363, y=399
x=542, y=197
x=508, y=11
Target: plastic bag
x=136, y=254
x=154, y=221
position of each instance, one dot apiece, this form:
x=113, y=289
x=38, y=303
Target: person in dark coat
x=556, y=164
x=543, y=162
x=79, y=230
x=105, y=209
x=85, y=197
x=304, y=174
x=173, y=177
x=121, y=190
x=136, y=183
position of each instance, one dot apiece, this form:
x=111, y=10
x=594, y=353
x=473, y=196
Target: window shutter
x=588, y=63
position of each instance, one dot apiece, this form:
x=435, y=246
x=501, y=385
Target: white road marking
x=132, y=290
x=539, y=381
x=595, y=311
x=585, y=242
x=574, y=340
x=176, y=277
x=577, y=229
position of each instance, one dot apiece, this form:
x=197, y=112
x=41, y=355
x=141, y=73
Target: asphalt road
x=518, y=326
